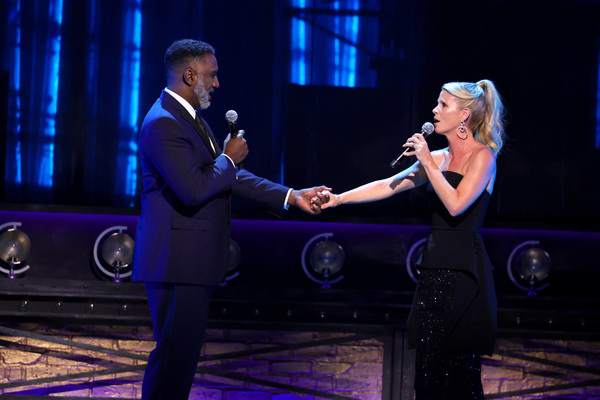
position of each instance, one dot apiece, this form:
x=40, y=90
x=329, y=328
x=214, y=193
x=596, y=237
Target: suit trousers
x=179, y=313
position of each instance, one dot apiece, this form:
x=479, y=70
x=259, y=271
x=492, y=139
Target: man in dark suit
x=182, y=238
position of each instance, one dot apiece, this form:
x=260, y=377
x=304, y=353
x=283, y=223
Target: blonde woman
x=453, y=317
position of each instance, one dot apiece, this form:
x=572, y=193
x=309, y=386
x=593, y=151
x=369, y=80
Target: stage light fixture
x=14, y=250
x=327, y=258
x=534, y=267
x=531, y=267
x=117, y=251
x=413, y=255
x=235, y=257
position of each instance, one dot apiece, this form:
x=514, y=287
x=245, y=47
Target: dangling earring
x=462, y=129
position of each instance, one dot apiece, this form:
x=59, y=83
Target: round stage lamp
x=117, y=251
x=534, y=266
x=327, y=258
x=234, y=259
x=412, y=257
x=235, y=255
x=14, y=249
x=528, y=266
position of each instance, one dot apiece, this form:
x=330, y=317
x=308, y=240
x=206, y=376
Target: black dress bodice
x=470, y=220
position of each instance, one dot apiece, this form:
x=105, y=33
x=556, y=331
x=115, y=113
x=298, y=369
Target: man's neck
x=188, y=106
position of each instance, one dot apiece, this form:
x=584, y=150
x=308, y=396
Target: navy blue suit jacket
x=183, y=232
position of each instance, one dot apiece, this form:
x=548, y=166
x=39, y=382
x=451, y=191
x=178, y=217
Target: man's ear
x=188, y=77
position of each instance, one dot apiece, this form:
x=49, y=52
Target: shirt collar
x=183, y=102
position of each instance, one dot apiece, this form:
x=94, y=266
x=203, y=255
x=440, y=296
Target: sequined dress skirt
x=441, y=375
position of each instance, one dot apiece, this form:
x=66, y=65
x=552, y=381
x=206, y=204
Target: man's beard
x=202, y=94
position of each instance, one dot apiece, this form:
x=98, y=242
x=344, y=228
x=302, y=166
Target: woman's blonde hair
x=487, y=111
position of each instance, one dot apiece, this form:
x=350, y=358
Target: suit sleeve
x=185, y=166
x=267, y=193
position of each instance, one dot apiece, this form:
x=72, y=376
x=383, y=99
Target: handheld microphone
x=426, y=130
x=231, y=116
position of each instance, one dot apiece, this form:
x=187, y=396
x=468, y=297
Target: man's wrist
x=232, y=163
x=288, y=199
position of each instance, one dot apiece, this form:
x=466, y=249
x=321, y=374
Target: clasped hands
x=314, y=200
x=324, y=199
x=303, y=199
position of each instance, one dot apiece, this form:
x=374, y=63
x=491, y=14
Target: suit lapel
x=208, y=131
x=202, y=130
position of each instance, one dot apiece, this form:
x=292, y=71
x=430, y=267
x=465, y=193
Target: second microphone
x=426, y=129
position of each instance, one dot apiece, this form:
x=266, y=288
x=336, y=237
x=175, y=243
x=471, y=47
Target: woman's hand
x=419, y=147
x=303, y=199
x=325, y=199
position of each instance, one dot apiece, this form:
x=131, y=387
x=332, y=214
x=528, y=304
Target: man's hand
x=325, y=200
x=236, y=148
x=302, y=199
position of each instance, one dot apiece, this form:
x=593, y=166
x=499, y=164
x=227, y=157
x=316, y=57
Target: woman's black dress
x=453, y=318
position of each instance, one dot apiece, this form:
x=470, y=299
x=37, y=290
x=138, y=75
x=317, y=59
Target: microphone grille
x=427, y=128
x=231, y=116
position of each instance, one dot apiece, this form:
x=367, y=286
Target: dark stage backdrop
x=543, y=56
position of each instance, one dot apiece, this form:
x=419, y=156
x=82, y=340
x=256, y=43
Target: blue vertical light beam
x=13, y=166
x=46, y=165
x=298, y=62
x=337, y=50
x=130, y=87
x=352, y=31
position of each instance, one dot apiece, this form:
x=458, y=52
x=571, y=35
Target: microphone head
x=231, y=116
x=427, y=128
